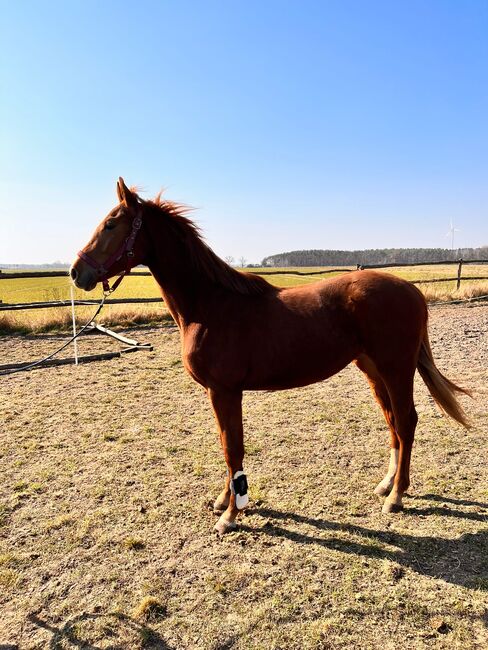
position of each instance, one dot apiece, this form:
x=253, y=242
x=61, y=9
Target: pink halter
x=103, y=269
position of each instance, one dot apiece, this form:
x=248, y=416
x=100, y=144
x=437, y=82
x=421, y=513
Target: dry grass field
x=109, y=470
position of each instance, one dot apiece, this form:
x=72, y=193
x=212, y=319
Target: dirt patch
x=106, y=533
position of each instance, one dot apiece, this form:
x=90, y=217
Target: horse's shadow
x=458, y=502
x=70, y=634
x=462, y=561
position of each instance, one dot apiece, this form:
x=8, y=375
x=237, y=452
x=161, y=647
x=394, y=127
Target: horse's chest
x=193, y=357
x=190, y=357
x=214, y=360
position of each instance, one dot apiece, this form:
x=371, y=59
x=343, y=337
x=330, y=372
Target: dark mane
x=205, y=261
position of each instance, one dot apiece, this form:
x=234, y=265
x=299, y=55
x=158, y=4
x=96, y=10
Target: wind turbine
x=450, y=233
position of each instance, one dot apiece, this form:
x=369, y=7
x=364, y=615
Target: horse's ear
x=124, y=193
x=119, y=192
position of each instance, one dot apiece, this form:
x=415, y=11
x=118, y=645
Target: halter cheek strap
x=127, y=248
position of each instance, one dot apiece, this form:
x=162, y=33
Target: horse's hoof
x=382, y=491
x=225, y=526
x=391, y=508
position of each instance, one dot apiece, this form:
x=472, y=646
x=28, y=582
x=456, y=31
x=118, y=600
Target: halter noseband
x=126, y=247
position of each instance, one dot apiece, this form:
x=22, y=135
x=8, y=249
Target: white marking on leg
x=393, y=466
x=387, y=483
x=225, y=525
x=393, y=502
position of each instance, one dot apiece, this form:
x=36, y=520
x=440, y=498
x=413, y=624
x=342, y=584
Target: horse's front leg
x=228, y=413
x=221, y=503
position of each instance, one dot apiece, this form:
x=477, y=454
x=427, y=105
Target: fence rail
x=59, y=274
x=45, y=274
x=67, y=303
x=391, y=266
x=121, y=301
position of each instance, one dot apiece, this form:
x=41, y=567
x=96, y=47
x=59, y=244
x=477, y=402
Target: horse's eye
x=110, y=225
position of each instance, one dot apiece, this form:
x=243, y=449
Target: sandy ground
x=109, y=469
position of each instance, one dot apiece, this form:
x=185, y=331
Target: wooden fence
x=121, y=301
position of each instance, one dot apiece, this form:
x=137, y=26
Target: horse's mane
x=202, y=257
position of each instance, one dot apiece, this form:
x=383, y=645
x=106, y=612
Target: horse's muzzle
x=84, y=277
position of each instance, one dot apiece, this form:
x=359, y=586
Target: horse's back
x=376, y=313
x=360, y=294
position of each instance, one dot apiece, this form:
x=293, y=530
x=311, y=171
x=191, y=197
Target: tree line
x=373, y=256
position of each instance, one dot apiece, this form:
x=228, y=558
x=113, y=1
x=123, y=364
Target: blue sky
x=289, y=125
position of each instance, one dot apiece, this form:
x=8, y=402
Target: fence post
x=75, y=340
x=460, y=266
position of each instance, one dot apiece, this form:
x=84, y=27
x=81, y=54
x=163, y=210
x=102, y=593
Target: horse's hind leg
x=228, y=413
x=380, y=391
x=399, y=383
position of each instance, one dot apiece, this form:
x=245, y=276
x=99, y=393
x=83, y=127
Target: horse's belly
x=297, y=371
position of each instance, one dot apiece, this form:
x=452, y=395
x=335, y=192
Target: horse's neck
x=183, y=292
x=186, y=290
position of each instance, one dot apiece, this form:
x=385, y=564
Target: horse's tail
x=442, y=389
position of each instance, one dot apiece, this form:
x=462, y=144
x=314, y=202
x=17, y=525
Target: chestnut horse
x=238, y=332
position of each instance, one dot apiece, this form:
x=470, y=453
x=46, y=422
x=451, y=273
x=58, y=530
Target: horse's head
x=116, y=245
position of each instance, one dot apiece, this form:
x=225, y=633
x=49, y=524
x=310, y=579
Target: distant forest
x=40, y=267
x=373, y=256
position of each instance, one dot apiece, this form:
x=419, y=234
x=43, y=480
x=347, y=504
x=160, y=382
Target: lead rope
x=65, y=345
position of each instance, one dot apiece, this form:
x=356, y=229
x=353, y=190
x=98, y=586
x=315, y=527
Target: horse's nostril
x=73, y=272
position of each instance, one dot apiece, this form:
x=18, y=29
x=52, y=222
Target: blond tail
x=442, y=389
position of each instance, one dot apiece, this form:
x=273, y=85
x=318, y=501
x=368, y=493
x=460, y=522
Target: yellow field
x=25, y=290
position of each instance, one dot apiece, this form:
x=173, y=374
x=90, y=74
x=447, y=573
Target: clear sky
x=289, y=124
